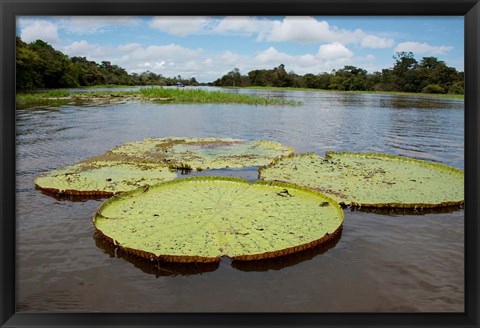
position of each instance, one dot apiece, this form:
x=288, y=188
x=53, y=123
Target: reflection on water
x=385, y=260
x=406, y=211
x=287, y=260
x=154, y=267
x=159, y=268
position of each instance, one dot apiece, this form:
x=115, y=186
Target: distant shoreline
x=395, y=93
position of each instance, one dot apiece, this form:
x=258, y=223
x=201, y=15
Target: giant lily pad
x=204, y=218
x=198, y=153
x=102, y=178
x=372, y=180
x=138, y=163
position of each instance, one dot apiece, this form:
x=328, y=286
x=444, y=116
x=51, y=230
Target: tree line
x=430, y=75
x=39, y=65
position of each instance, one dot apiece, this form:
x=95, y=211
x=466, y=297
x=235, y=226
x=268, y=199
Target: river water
x=383, y=262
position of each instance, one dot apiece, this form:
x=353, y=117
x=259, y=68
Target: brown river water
x=395, y=261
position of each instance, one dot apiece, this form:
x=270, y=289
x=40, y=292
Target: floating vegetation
x=101, y=178
x=59, y=97
x=198, y=153
x=210, y=97
x=204, y=218
x=372, y=180
x=151, y=161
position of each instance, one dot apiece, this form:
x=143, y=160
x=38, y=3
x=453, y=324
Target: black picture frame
x=9, y=9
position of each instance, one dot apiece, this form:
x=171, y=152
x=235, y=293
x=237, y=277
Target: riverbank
x=408, y=94
x=58, y=97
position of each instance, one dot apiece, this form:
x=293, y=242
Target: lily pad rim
x=84, y=193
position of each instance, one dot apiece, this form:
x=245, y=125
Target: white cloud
x=301, y=29
x=375, y=42
x=172, y=59
x=32, y=30
x=129, y=47
x=328, y=57
x=93, y=52
x=334, y=50
x=243, y=25
x=164, y=52
x=180, y=26
x=310, y=30
x=272, y=56
x=422, y=48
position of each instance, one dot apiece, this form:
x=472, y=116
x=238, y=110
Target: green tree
x=27, y=76
x=404, y=72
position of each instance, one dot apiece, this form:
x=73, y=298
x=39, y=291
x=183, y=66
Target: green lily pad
x=372, y=180
x=202, y=219
x=198, y=153
x=102, y=178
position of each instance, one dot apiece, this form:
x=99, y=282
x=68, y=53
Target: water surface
x=383, y=261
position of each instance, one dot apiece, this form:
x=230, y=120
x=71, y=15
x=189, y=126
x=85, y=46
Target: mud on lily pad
x=372, y=180
x=202, y=219
x=199, y=153
x=102, y=178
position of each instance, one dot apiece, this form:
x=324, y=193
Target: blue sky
x=208, y=47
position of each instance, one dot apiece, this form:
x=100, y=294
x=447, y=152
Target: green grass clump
x=58, y=97
x=109, y=86
x=210, y=97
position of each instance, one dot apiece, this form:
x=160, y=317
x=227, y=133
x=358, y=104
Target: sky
x=209, y=47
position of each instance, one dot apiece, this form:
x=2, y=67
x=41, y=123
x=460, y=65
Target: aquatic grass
x=59, y=97
x=109, y=86
x=55, y=97
x=210, y=97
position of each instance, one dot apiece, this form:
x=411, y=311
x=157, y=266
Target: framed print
x=200, y=163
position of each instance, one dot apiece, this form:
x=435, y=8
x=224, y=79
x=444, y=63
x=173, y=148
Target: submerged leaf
x=372, y=180
x=102, y=178
x=151, y=161
x=199, y=153
x=204, y=218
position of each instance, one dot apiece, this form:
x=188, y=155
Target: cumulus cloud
x=32, y=30
x=375, y=42
x=422, y=48
x=129, y=47
x=93, y=52
x=310, y=30
x=243, y=25
x=168, y=60
x=328, y=57
x=334, y=50
x=180, y=26
x=302, y=29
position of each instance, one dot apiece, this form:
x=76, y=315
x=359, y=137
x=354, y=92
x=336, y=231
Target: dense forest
x=430, y=75
x=39, y=65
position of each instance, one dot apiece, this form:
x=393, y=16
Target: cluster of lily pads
x=295, y=204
